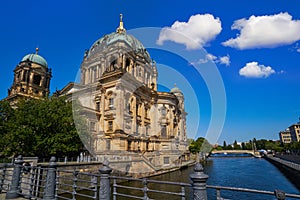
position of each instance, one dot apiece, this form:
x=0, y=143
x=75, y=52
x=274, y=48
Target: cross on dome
x=121, y=28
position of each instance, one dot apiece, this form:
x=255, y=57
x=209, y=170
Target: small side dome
x=36, y=59
x=175, y=90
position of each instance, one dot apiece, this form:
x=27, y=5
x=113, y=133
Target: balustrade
x=51, y=183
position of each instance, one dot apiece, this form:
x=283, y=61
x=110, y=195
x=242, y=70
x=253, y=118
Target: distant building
x=295, y=132
x=31, y=79
x=285, y=136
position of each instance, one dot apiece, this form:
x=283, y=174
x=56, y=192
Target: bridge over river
x=251, y=152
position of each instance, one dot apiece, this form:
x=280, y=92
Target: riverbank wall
x=93, y=167
x=290, y=169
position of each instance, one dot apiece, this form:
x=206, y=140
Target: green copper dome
x=114, y=37
x=119, y=36
x=36, y=59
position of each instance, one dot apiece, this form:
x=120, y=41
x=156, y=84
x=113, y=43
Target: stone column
x=16, y=179
x=199, y=183
x=42, y=83
x=104, y=193
x=50, y=186
x=119, y=105
x=31, y=78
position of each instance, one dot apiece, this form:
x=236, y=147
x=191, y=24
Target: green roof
x=112, y=38
x=36, y=59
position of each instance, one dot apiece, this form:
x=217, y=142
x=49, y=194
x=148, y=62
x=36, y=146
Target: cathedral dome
x=36, y=59
x=119, y=36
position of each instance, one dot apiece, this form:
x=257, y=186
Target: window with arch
x=110, y=100
x=127, y=64
x=98, y=106
x=164, y=131
x=129, y=108
x=37, y=79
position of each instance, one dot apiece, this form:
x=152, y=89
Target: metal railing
x=52, y=183
x=143, y=188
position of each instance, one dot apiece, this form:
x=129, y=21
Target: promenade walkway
x=288, y=157
x=289, y=164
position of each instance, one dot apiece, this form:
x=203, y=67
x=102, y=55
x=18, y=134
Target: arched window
x=163, y=131
x=37, y=79
x=127, y=64
x=110, y=100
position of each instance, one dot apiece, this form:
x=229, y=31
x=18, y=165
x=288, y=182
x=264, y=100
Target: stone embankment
x=290, y=169
x=291, y=158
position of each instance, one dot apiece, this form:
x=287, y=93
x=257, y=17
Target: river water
x=247, y=172
x=243, y=172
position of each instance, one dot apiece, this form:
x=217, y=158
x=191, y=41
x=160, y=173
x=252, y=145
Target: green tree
x=39, y=128
x=243, y=146
x=224, y=145
x=200, y=145
x=189, y=141
x=249, y=145
x=229, y=147
x=236, y=146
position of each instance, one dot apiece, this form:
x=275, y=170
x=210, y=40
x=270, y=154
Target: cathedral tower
x=31, y=78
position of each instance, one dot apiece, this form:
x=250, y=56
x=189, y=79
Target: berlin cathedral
x=134, y=126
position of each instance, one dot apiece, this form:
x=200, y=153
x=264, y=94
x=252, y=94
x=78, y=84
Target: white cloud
x=297, y=47
x=254, y=70
x=194, y=34
x=225, y=60
x=267, y=31
x=208, y=57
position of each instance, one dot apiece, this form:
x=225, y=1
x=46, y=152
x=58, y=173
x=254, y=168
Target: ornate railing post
x=2, y=180
x=14, y=188
x=50, y=185
x=199, y=183
x=280, y=195
x=104, y=193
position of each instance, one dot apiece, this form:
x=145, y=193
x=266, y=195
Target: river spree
x=245, y=172
x=242, y=172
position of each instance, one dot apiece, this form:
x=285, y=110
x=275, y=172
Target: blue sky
x=254, y=45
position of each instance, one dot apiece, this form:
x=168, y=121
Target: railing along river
x=50, y=183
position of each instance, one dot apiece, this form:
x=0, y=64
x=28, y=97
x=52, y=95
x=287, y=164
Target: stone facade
x=127, y=117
